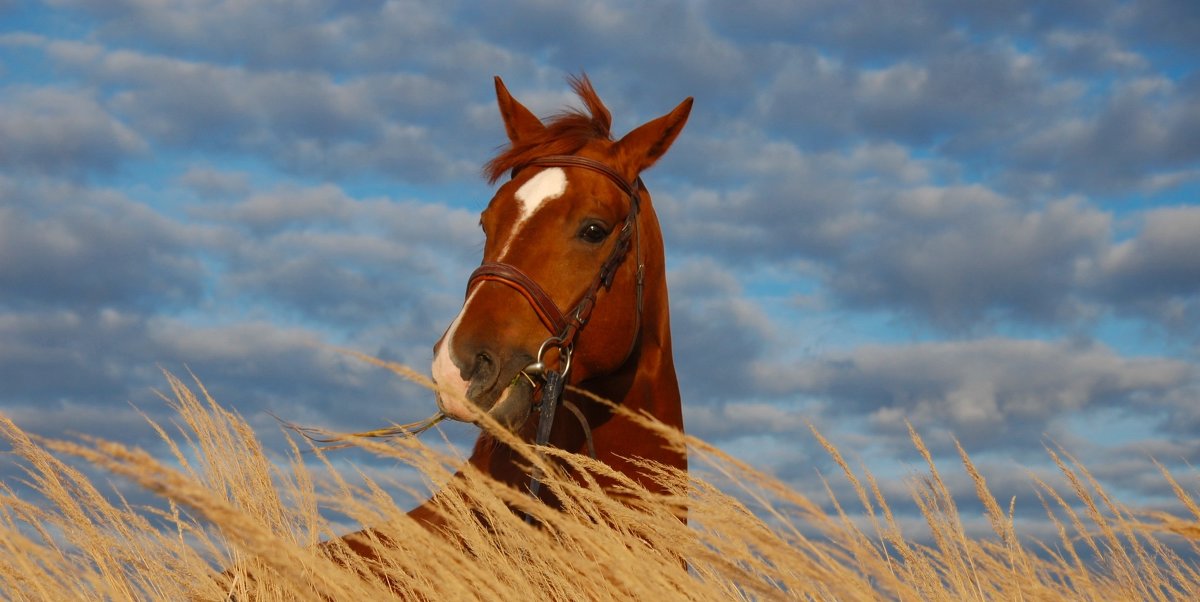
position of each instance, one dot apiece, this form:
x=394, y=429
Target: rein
x=565, y=327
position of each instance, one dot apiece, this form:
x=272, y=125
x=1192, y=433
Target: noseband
x=565, y=327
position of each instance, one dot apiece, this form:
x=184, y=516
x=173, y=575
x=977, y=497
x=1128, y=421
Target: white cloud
x=991, y=392
x=63, y=245
x=302, y=121
x=954, y=255
x=1157, y=272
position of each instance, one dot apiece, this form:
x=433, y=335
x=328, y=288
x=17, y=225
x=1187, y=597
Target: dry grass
x=231, y=507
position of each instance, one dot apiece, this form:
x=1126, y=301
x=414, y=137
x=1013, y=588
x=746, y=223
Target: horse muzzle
x=498, y=388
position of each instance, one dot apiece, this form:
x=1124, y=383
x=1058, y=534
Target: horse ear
x=519, y=122
x=642, y=147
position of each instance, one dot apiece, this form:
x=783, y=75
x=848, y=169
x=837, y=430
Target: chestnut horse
x=573, y=272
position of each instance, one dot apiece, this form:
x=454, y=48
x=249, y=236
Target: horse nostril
x=484, y=365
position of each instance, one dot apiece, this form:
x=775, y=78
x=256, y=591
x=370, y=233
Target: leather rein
x=565, y=327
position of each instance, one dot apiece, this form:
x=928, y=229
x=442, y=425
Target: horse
x=572, y=286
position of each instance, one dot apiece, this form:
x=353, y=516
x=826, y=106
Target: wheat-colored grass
x=751, y=538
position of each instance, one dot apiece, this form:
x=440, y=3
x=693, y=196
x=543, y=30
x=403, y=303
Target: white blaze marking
x=546, y=185
x=452, y=389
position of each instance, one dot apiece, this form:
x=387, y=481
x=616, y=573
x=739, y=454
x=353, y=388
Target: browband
x=630, y=188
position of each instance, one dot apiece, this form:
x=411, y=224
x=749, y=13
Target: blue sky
x=977, y=217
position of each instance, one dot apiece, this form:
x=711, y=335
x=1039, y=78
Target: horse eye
x=593, y=233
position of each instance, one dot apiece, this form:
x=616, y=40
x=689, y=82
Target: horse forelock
x=565, y=133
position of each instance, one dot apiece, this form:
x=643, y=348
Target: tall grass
x=229, y=507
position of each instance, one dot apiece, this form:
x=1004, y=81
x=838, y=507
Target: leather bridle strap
x=545, y=308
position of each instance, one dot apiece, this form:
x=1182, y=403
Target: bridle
x=565, y=327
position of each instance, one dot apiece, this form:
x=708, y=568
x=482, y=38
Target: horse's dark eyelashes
x=593, y=232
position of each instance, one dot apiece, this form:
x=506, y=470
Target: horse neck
x=653, y=387
x=650, y=387
x=647, y=383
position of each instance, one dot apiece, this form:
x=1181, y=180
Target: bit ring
x=538, y=367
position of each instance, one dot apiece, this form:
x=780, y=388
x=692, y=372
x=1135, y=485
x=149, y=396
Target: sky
x=977, y=218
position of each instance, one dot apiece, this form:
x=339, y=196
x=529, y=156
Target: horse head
x=562, y=276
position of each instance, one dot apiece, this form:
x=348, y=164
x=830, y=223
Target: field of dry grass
x=230, y=507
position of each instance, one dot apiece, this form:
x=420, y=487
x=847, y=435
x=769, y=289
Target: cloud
x=255, y=365
x=1057, y=97
x=718, y=331
x=1094, y=53
x=59, y=131
x=101, y=290
x=1162, y=24
x=306, y=35
x=874, y=32
x=873, y=225
x=1157, y=272
x=742, y=419
x=955, y=255
x=950, y=100
x=276, y=210
x=573, y=36
x=63, y=245
x=991, y=392
x=66, y=358
x=215, y=184
x=305, y=122
x=1146, y=127
x=884, y=230
x=338, y=260
x=410, y=37
x=785, y=201
x=53, y=356
x=832, y=24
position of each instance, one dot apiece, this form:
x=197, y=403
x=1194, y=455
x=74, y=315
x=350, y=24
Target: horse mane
x=565, y=133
